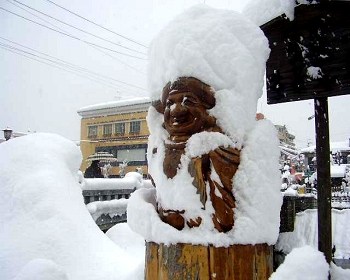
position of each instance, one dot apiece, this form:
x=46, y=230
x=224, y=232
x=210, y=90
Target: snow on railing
x=107, y=198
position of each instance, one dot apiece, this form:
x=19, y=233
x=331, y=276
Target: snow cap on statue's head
x=221, y=48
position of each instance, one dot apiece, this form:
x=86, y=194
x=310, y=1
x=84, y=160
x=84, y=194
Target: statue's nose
x=178, y=110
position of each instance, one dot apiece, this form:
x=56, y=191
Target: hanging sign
x=310, y=56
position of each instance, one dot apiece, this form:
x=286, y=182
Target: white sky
x=41, y=98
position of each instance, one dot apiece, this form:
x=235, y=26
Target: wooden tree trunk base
x=197, y=262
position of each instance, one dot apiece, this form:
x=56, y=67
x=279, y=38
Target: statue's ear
x=158, y=105
x=210, y=122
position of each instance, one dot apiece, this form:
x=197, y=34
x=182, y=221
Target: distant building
x=284, y=136
x=119, y=128
x=340, y=154
x=15, y=135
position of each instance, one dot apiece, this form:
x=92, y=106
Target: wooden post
x=324, y=192
x=198, y=262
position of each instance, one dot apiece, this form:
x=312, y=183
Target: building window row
x=115, y=128
x=132, y=155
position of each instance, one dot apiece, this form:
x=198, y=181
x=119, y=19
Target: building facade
x=119, y=128
x=284, y=136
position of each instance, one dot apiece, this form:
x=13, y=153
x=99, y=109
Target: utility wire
x=71, y=36
x=97, y=49
x=35, y=15
x=64, y=63
x=72, y=26
x=94, y=79
x=120, y=61
x=60, y=68
x=94, y=23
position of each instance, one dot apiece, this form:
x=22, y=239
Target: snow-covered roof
x=338, y=171
x=136, y=104
x=263, y=11
x=334, y=147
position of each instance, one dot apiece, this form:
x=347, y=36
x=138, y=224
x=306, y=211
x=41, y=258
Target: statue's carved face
x=184, y=114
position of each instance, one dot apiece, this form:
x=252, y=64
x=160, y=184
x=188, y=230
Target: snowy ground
x=48, y=234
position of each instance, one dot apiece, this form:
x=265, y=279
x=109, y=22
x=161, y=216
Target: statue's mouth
x=179, y=121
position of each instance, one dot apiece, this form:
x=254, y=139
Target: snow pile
x=132, y=180
x=46, y=227
x=305, y=233
x=41, y=269
x=262, y=11
x=133, y=244
x=338, y=273
x=302, y=263
x=111, y=183
x=222, y=49
x=115, y=207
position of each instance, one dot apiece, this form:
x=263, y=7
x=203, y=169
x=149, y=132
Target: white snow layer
x=45, y=226
x=115, y=207
x=256, y=189
x=262, y=11
x=47, y=233
x=303, y=263
x=305, y=233
x=222, y=49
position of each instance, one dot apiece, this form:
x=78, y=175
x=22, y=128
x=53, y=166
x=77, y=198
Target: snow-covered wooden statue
x=185, y=104
x=214, y=213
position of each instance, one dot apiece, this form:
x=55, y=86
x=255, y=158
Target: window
x=120, y=128
x=107, y=129
x=92, y=131
x=135, y=127
x=131, y=155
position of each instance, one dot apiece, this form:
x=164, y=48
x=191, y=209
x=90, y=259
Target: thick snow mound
x=302, y=263
x=262, y=11
x=222, y=49
x=41, y=269
x=305, y=233
x=43, y=215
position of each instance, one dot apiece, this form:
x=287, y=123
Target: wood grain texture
x=197, y=262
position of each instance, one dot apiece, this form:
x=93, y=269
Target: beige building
x=284, y=136
x=119, y=128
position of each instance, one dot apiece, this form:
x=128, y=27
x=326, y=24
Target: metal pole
x=324, y=192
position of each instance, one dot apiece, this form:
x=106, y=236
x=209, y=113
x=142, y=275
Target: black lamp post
x=7, y=133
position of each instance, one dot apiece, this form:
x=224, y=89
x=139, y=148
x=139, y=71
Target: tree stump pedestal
x=198, y=262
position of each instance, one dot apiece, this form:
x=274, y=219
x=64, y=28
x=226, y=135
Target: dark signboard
x=310, y=56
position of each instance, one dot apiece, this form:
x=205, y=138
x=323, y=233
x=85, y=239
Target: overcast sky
x=38, y=97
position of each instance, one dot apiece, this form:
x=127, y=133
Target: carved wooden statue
x=185, y=104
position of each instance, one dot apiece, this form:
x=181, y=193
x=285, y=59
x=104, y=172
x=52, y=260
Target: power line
x=35, y=15
x=55, y=66
x=120, y=61
x=94, y=79
x=72, y=26
x=94, y=23
x=71, y=36
x=64, y=63
x=97, y=49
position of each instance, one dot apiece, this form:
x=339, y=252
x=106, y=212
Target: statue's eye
x=188, y=101
x=169, y=103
